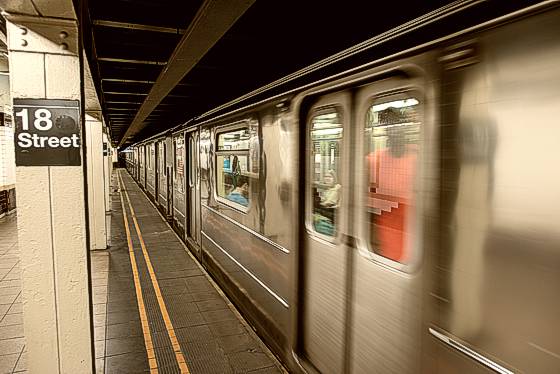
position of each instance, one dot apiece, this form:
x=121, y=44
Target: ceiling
x=129, y=43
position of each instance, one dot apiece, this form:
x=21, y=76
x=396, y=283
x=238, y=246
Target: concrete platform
x=12, y=338
x=182, y=321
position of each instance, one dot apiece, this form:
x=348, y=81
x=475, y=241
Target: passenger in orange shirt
x=391, y=173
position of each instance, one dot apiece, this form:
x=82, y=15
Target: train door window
x=326, y=147
x=162, y=159
x=192, y=155
x=234, y=174
x=392, y=139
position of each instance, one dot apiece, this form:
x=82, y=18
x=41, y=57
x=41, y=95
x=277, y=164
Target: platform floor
x=182, y=321
x=12, y=339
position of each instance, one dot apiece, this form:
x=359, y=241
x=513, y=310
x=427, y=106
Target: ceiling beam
x=212, y=21
x=124, y=93
x=132, y=61
x=126, y=80
x=137, y=26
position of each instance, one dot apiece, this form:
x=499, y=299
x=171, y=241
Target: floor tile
x=119, y=346
x=9, y=332
x=11, y=346
x=126, y=363
x=242, y=362
x=11, y=319
x=21, y=365
x=8, y=362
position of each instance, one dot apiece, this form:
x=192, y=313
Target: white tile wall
x=7, y=158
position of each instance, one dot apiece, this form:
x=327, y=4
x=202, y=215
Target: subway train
x=398, y=216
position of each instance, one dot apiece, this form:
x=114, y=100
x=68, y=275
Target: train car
x=384, y=219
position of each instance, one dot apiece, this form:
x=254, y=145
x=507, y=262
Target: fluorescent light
x=395, y=104
x=331, y=131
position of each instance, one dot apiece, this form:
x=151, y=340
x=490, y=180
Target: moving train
x=400, y=215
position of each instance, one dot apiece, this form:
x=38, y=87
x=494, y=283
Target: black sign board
x=105, y=149
x=47, y=132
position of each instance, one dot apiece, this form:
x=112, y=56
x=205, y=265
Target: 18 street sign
x=47, y=132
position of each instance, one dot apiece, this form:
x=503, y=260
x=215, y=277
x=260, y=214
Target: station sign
x=47, y=132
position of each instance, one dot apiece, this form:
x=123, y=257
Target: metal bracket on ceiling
x=42, y=34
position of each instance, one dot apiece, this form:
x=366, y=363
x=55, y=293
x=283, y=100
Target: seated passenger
x=331, y=196
x=240, y=195
x=325, y=205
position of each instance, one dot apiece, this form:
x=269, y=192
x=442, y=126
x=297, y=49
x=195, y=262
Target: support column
x=96, y=182
x=108, y=170
x=51, y=206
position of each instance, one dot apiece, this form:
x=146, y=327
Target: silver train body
x=475, y=287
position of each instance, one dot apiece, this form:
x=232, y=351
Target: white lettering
x=24, y=119
x=53, y=142
x=42, y=140
x=43, y=120
x=27, y=140
x=24, y=140
x=65, y=142
x=75, y=140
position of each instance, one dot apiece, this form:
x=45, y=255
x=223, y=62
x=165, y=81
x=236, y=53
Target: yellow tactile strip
x=139, y=298
x=163, y=308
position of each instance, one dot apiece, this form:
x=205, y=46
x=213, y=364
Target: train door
x=143, y=171
x=193, y=205
x=157, y=170
x=136, y=166
x=144, y=165
x=362, y=284
x=162, y=175
x=179, y=193
x=326, y=248
x=169, y=177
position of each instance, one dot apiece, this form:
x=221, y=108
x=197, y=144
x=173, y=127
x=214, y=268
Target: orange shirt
x=393, y=180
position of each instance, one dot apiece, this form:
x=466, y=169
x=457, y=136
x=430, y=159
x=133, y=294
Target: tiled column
x=96, y=182
x=44, y=64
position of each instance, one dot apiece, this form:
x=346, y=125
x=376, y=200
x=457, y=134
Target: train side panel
x=249, y=244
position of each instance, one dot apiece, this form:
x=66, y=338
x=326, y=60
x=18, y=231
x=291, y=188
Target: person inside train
x=240, y=195
x=392, y=171
x=331, y=196
x=326, y=203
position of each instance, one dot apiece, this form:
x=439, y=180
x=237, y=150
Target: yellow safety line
x=168, y=325
x=139, y=298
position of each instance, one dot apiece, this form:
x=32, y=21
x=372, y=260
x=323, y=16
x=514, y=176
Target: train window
x=192, y=166
x=392, y=138
x=147, y=151
x=326, y=147
x=161, y=156
x=233, y=166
